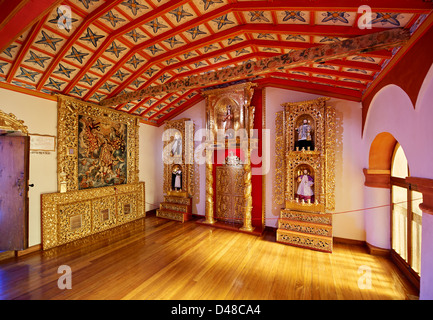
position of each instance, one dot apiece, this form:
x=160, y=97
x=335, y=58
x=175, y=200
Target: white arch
x=391, y=110
x=425, y=94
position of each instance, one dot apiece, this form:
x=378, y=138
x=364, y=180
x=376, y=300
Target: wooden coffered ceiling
x=101, y=49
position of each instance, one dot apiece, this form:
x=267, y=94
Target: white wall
x=392, y=111
x=150, y=164
x=197, y=114
x=40, y=116
x=349, y=176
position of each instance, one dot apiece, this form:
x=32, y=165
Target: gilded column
x=248, y=200
x=209, y=214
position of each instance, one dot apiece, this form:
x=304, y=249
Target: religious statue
x=305, y=190
x=305, y=141
x=176, y=148
x=228, y=123
x=176, y=179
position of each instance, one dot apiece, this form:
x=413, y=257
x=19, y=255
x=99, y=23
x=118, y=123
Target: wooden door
x=14, y=169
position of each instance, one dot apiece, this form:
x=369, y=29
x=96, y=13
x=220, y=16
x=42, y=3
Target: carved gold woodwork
x=178, y=156
x=69, y=110
x=305, y=223
x=9, y=122
x=230, y=193
x=76, y=214
x=183, y=161
x=229, y=125
x=321, y=159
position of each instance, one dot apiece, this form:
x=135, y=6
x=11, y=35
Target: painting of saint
x=102, y=157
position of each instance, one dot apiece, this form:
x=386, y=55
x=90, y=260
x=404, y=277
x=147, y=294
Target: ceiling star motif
x=63, y=19
x=55, y=84
x=116, y=49
x=134, y=6
x=30, y=75
x=39, y=60
x=112, y=50
x=156, y=25
x=180, y=14
x=222, y=21
x=92, y=37
x=77, y=55
x=113, y=19
x=49, y=41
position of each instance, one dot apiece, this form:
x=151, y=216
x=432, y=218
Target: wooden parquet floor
x=157, y=259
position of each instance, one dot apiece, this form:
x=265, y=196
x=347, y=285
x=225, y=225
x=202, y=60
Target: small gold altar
x=178, y=170
x=305, y=178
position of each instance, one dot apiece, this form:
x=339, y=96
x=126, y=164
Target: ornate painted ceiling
x=98, y=49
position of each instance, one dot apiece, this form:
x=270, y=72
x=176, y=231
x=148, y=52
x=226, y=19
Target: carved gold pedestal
x=175, y=207
x=178, y=170
x=305, y=229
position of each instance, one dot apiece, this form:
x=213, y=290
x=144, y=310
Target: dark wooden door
x=14, y=169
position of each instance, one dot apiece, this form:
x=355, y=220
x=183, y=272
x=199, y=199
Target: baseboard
x=349, y=241
x=11, y=254
x=376, y=251
x=37, y=247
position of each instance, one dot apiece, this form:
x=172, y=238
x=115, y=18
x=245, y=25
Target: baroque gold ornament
x=305, y=173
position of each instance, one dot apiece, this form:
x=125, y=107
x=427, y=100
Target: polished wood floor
x=154, y=258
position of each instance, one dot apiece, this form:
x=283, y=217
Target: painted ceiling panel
x=98, y=49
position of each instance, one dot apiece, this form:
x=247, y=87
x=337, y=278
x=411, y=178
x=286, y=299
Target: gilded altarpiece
x=97, y=165
x=178, y=159
x=305, y=177
x=229, y=128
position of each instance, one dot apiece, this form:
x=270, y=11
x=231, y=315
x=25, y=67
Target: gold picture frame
x=69, y=110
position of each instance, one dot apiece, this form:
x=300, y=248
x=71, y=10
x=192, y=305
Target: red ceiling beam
x=324, y=81
x=25, y=47
x=340, y=93
x=196, y=99
x=17, y=16
x=407, y=6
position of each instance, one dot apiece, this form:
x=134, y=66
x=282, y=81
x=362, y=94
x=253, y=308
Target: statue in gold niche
x=305, y=140
x=228, y=121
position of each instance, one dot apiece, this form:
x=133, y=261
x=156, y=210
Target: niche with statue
x=304, y=177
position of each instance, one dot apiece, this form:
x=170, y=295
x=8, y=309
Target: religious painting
x=102, y=156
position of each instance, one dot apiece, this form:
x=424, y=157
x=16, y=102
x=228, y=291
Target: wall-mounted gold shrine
x=178, y=156
x=305, y=160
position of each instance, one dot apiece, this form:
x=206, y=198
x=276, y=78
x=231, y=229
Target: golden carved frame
x=67, y=139
x=240, y=96
x=186, y=160
x=9, y=122
x=89, y=205
x=321, y=159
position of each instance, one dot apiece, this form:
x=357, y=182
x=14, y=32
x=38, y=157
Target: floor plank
x=158, y=259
